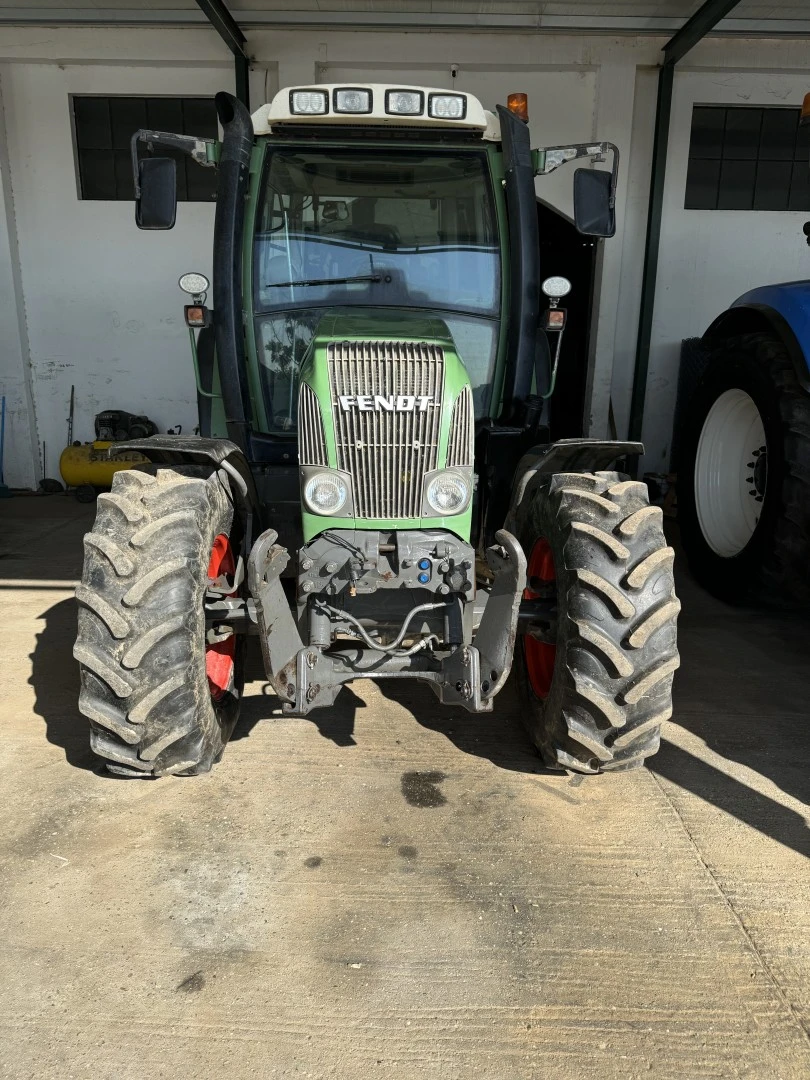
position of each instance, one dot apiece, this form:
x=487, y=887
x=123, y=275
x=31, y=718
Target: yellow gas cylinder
x=88, y=463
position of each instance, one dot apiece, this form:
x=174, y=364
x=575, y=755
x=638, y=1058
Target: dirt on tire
x=616, y=646
x=141, y=641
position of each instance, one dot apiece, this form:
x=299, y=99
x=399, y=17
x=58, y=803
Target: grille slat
x=387, y=452
x=460, y=448
x=311, y=439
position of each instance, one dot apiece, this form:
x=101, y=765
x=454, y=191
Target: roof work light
x=309, y=102
x=351, y=99
x=447, y=106
x=404, y=102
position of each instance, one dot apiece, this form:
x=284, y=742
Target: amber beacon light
x=519, y=105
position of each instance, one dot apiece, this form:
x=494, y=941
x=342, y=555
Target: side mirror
x=156, y=193
x=594, y=212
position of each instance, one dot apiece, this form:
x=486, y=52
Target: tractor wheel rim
x=540, y=656
x=220, y=656
x=731, y=473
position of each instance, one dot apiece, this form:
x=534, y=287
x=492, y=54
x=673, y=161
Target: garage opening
x=566, y=252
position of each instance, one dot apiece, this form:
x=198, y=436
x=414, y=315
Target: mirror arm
x=204, y=151
x=549, y=158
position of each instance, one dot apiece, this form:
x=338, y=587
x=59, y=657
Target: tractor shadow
x=336, y=724
x=55, y=679
x=742, y=690
x=498, y=736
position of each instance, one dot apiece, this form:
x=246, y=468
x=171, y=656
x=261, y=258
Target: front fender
x=783, y=310
x=219, y=454
x=565, y=455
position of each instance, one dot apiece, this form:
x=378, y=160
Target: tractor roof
x=376, y=105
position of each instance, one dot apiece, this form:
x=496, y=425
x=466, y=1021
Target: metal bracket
x=203, y=151
x=281, y=643
x=238, y=613
x=455, y=679
x=308, y=677
x=551, y=157
x=495, y=640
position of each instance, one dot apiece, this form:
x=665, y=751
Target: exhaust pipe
x=233, y=171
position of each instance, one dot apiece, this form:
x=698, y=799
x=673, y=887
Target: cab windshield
x=384, y=228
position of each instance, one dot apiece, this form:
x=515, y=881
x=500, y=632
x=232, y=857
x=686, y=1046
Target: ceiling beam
x=223, y=22
x=704, y=20
x=367, y=19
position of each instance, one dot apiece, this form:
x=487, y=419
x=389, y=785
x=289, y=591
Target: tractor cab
x=406, y=231
x=392, y=205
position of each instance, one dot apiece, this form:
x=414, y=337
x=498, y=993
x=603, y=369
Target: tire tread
x=616, y=636
x=141, y=635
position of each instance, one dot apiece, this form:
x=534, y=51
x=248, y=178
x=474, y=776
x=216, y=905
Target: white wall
x=710, y=257
x=101, y=308
x=21, y=448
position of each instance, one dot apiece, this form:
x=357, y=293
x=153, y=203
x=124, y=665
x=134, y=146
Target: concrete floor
x=294, y=914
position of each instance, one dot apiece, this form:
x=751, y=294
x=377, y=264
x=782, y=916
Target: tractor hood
x=385, y=402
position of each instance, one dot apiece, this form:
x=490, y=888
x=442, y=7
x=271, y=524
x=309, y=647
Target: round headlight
x=448, y=493
x=325, y=493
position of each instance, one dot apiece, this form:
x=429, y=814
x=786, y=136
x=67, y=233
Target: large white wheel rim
x=730, y=473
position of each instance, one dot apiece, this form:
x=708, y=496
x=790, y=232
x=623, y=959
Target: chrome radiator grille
x=460, y=443
x=311, y=441
x=387, y=450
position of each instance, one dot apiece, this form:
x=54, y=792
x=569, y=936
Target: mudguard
x=196, y=450
x=565, y=455
x=782, y=309
x=222, y=455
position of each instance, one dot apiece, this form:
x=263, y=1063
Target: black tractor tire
x=774, y=564
x=141, y=643
x=616, y=651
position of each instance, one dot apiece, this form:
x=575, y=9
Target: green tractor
x=374, y=492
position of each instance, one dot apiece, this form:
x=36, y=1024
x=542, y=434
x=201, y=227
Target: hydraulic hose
x=344, y=616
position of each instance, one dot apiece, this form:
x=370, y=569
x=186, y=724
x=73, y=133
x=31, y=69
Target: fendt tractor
x=374, y=492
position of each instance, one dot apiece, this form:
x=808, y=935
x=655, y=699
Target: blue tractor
x=744, y=472
x=744, y=480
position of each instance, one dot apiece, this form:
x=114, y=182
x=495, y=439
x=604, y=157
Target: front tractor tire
x=160, y=696
x=598, y=684
x=744, y=478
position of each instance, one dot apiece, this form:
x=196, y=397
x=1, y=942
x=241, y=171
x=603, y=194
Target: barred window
x=103, y=127
x=746, y=158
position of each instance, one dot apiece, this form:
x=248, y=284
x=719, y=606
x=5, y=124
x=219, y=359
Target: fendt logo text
x=382, y=403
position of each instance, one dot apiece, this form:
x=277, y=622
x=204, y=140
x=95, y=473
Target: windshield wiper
x=325, y=281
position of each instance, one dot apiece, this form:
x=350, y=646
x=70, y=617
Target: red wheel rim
x=220, y=655
x=540, y=656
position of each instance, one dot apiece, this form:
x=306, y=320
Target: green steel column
x=663, y=110
x=694, y=30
